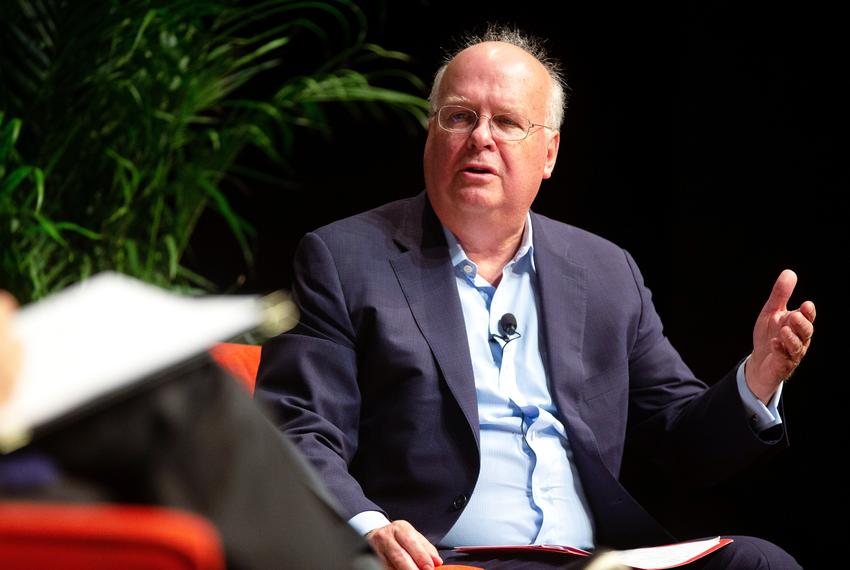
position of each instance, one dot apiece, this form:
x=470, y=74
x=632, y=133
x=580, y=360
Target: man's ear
x=551, y=154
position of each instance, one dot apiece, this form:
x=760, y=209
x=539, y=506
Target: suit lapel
x=563, y=298
x=424, y=272
x=563, y=301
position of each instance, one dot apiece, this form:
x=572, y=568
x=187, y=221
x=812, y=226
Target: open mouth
x=478, y=170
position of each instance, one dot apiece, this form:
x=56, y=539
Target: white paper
x=106, y=333
x=669, y=556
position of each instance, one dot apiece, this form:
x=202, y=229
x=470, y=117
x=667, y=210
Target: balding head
x=557, y=99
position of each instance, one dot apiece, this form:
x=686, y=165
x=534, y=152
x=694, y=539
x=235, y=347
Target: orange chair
x=241, y=360
x=104, y=537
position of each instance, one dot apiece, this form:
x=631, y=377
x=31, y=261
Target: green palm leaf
x=130, y=118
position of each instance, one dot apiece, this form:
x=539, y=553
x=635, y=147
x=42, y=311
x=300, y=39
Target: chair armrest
x=240, y=360
x=106, y=536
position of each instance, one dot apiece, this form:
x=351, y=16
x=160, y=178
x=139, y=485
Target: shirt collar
x=525, y=252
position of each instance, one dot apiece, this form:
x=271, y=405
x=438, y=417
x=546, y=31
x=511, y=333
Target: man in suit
x=468, y=372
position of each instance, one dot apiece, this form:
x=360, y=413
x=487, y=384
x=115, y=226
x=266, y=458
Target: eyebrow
x=456, y=99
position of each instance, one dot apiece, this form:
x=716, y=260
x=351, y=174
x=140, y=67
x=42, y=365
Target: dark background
x=710, y=140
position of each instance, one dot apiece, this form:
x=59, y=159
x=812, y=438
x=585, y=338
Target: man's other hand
x=401, y=547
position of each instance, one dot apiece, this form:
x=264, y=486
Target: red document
x=650, y=558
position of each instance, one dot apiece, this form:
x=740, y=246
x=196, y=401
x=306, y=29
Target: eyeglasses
x=504, y=126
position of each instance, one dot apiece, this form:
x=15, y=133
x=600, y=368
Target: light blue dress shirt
x=528, y=491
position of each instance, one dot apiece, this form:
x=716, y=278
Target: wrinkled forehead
x=497, y=72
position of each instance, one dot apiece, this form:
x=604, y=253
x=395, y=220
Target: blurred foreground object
x=103, y=336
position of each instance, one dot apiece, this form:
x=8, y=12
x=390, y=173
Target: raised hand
x=781, y=339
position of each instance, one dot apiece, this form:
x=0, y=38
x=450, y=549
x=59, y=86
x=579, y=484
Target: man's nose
x=482, y=134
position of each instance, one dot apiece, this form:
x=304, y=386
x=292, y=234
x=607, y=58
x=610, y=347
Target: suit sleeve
x=309, y=375
x=701, y=433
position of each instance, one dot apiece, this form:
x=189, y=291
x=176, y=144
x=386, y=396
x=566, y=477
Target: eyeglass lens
x=504, y=126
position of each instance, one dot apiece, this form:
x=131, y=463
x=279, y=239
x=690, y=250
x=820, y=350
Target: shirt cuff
x=761, y=416
x=368, y=521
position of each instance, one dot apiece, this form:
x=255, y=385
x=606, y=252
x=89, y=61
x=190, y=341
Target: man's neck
x=491, y=248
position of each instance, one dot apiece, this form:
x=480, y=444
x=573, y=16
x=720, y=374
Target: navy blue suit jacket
x=375, y=384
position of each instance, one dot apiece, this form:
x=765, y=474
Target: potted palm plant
x=123, y=122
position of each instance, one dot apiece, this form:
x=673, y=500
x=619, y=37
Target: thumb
x=781, y=293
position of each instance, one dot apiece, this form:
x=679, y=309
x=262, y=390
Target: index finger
x=7, y=302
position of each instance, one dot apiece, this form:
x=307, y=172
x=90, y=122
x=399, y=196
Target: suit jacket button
x=460, y=502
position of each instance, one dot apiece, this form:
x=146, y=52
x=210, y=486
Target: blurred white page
x=105, y=333
x=671, y=555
